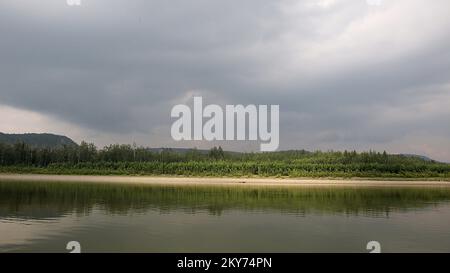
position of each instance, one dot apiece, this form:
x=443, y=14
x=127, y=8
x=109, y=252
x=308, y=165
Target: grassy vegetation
x=86, y=159
x=239, y=169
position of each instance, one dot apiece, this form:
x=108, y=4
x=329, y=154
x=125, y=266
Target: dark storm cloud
x=94, y=68
x=342, y=71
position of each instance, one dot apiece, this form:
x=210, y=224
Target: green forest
x=87, y=159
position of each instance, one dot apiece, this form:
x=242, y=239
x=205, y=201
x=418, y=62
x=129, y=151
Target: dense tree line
x=23, y=154
x=86, y=158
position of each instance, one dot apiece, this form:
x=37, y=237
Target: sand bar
x=175, y=180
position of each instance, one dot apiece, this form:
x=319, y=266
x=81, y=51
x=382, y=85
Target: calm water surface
x=44, y=216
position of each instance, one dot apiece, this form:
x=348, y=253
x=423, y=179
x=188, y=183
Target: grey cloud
x=118, y=66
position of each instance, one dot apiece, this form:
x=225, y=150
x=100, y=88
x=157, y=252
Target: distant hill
x=183, y=151
x=425, y=158
x=38, y=140
x=177, y=150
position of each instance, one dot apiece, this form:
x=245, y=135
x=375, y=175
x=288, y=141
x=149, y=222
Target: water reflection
x=46, y=201
x=110, y=217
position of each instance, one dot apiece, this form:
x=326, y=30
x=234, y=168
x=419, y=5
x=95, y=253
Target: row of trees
x=86, y=158
x=22, y=154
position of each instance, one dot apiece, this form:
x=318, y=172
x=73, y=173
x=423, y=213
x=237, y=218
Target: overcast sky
x=346, y=74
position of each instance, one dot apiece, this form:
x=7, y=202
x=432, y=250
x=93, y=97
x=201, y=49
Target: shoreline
x=245, y=181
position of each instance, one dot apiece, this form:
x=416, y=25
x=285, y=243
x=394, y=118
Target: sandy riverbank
x=216, y=181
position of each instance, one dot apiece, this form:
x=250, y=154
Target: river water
x=104, y=217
